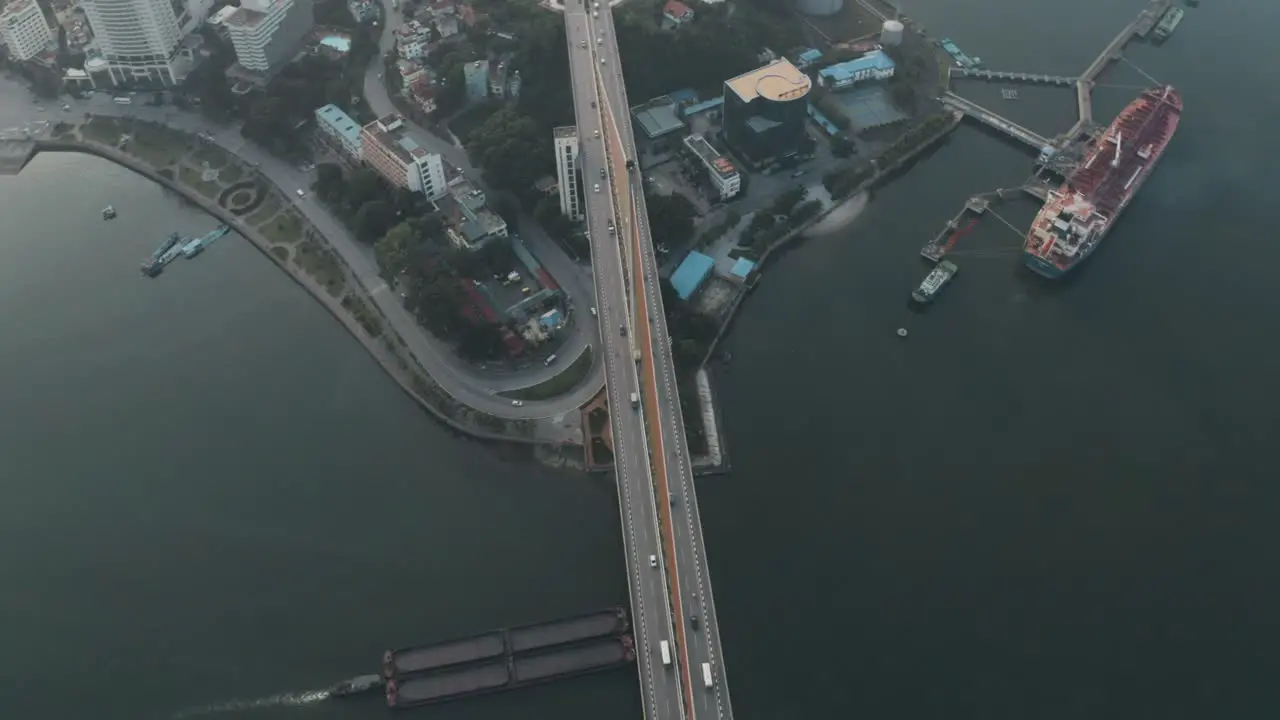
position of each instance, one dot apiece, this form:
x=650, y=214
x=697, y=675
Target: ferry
x=153, y=265
x=933, y=283
x=195, y=247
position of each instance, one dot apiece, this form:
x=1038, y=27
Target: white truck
x=706, y=675
x=665, y=647
x=635, y=400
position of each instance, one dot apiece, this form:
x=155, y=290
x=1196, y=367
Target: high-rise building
x=566, y=144
x=24, y=29
x=139, y=39
x=386, y=147
x=765, y=111
x=267, y=33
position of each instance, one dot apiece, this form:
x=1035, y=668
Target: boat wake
x=296, y=699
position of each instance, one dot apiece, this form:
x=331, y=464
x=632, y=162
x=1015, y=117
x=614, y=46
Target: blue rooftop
x=845, y=72
x=809, y=57
x=684, y=95
x=339, y=122
x=702, y=106
x=691, y=274
x=742, y=268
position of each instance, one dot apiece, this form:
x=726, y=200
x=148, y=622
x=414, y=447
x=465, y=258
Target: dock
x=995, y=120
x=1140, y=26
x=976, y=206
x=1022, y=77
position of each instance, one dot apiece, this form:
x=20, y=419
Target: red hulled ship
x=1077, y=215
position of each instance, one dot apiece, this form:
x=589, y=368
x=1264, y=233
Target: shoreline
x=394, y=364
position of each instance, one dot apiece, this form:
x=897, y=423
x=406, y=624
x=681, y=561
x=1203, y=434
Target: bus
x=706, y=674
x=124, y=101
x=666, y=652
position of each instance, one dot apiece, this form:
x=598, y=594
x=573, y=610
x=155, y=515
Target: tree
x=395, y=249
x=363, y=185
x=329, y=184
x=670, y=217
x=373, y=219
x=513, y=151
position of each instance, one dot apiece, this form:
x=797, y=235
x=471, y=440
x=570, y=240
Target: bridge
x=979, y=74
x=668, y=578
x=990, y=119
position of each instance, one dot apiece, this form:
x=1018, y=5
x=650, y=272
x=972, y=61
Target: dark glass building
x=765, y=112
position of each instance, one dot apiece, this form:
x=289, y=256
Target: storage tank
x=891, y=33
x=820, y=8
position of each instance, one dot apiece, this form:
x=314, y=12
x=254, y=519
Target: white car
x=301, y=194
x=653, y=561
x=593, y=311
x=517, y=403
x=595, y=188
x=596, y=134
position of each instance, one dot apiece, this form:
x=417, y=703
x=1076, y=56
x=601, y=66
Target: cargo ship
x=1077, y=216
x=1168, y=23
x=154, y=264
x=939, y=276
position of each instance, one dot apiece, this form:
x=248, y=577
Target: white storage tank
x=820, y=8
x=891, y=33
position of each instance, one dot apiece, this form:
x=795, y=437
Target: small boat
x=108, y=212
x=933, y=283
x=356, y=685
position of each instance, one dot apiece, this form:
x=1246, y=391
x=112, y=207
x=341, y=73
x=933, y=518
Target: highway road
x=693, y=603
x=659, y=683
x=468, y=384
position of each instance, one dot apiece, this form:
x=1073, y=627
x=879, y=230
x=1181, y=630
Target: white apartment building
x=385, y=146
x=139, y=39
x=566, y=144
x=267, y=33
x=724, y=176
x=24, y=29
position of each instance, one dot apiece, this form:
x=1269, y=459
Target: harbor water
x=1049, y=501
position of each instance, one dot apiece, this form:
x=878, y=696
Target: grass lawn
x=212, y=154
x=191, y=178
x=286, y=229
x=318, y=262
x=269, y=207
x=364, y=315
x=158, y=147
x=230, y=174
x=102, y=129
x=559, y=384
x=280, y=252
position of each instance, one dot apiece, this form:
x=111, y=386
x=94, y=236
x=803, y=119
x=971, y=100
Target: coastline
x=385, y=353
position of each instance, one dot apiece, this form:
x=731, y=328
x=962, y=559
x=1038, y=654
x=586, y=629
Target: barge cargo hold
x=458, y=682
x=493, y=644
x=1172, y=18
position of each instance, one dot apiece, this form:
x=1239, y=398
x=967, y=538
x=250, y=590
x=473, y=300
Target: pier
x=994, y=120
x=1037, y=187
x=1140, y=26
x=980, y=74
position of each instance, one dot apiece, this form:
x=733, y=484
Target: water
x=215, y=504
x=1050, y=501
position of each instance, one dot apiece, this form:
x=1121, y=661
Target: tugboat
x=356, y=685
x=108, y=212
x=933, y=282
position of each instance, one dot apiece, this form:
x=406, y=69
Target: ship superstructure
x=1077, y=215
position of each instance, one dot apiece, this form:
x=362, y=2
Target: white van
x=665, y=648
x=706, y=675
x=551, y=360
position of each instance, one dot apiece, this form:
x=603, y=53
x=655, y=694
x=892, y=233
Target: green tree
x=394, y=250
x=329, y=184
x=373, y=219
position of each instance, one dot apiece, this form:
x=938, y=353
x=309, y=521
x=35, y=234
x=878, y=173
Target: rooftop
x=690, y=275
x=657, y=117
x=467, y=211
x=710, y=156
x=742, y=268
x=676, y=9
x=16, y=6
x=340, y=122
x=778, y=81
x=391, y=133
x=566, y=131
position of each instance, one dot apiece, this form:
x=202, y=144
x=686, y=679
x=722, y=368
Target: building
x=807, y=57
x=694, y=271
x=875, y=65
x=514, y=85
x=140, y=41
x=675, y=14
x=363, y=10
x=385, y=146
x=476, y=77
x=724, y=176
x=337, y=130
x=471, y=224
x=765, y=111
x=566, y=144
x=658, y=117
x=268, y=33
x=498, y=80
x=24, y=29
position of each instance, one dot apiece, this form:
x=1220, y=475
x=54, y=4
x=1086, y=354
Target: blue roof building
x=875, y=65
x=691, y=274
x=808, y=57
x=339, y=131
x=742, y=268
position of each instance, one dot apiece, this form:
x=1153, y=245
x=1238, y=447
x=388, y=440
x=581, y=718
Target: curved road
x=464, y=382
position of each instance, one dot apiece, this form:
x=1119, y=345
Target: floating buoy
x=902, y=332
